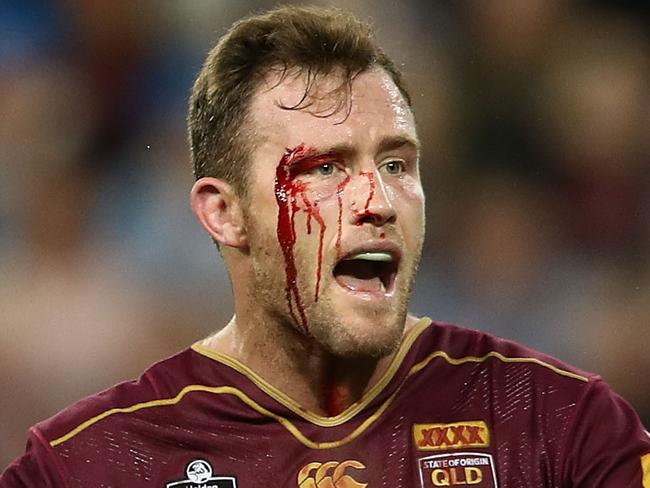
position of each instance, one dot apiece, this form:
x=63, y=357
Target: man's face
x=335, y=212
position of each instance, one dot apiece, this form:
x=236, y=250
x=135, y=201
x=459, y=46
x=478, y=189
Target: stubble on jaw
x=327, y=328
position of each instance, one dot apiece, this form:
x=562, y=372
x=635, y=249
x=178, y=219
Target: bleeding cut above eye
x=367, y=272
x=315, y=164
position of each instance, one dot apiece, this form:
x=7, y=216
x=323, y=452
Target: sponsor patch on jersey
x=332, y=474
x=456, y=435
x=199, y=475
x=467, y=469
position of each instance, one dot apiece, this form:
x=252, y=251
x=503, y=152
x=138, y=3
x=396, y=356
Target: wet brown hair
x=313, y=42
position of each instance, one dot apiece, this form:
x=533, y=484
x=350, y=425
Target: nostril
x=368, y=217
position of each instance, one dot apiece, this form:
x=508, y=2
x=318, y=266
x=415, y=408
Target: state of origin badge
x=458, y=469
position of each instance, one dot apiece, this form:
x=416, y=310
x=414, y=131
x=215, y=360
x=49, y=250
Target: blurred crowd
x=535, y=120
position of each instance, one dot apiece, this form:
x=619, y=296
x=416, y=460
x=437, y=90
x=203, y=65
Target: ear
x=218, y=209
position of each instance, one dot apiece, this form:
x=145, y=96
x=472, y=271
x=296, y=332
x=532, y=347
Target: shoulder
x=159, y=381
x=90, y=435
x=464, y=347
x=533, y=399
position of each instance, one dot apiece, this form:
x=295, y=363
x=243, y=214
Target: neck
x=316, y=379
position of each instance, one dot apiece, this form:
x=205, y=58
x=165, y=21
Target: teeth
x=372, y=256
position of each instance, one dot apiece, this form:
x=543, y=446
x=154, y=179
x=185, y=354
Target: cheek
x=407, y=198
x=261, y=221
x=407, y=194
x=261, y=230
x=317, y=216
x=324, y=189
x=319, y=207
x=412, y=189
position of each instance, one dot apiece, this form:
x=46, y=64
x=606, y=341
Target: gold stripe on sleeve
x=493, y=354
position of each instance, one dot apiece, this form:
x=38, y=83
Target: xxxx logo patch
x=331, y=474
x=456, y=435
x=472, y=469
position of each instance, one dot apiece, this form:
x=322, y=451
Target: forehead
x=371, y=110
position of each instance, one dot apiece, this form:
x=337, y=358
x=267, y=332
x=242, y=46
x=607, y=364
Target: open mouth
x=371, y=272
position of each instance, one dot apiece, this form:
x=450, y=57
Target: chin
x=365, y=336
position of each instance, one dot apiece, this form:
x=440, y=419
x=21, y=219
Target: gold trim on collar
x=290, y=426
x=645, y=469
x=230, y=390
x=294, y=406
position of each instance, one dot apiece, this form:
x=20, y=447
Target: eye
x=394, y=167
x=326, y=169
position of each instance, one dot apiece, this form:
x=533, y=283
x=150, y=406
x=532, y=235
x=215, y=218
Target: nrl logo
x=199, y=475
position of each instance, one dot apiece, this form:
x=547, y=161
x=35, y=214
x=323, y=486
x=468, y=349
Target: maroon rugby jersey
x=456, y=408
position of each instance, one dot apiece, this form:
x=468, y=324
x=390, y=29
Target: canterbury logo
x=331, y=474
x=433, y=437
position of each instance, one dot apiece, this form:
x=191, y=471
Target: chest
x=456, y=427
x=421, y=436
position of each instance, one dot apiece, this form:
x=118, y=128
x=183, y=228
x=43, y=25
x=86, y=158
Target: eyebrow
x=390, y=143
x=396, y=142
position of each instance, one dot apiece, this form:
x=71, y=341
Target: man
x=306, y=157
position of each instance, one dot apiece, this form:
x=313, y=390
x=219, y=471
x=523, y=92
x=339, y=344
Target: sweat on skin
x=322, y=190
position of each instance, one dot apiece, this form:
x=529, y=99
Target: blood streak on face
x=371, y=194
x=290, y=191
x=339, y=196
x=313, y=212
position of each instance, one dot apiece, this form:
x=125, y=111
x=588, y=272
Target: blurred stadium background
x=535, y=118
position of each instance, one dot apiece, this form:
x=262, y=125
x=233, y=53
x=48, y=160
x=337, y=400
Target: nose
x=371, y=203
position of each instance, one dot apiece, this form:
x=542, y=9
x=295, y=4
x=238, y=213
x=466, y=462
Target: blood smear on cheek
x=339, y=197
x=288, y=190
x=313, y=212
